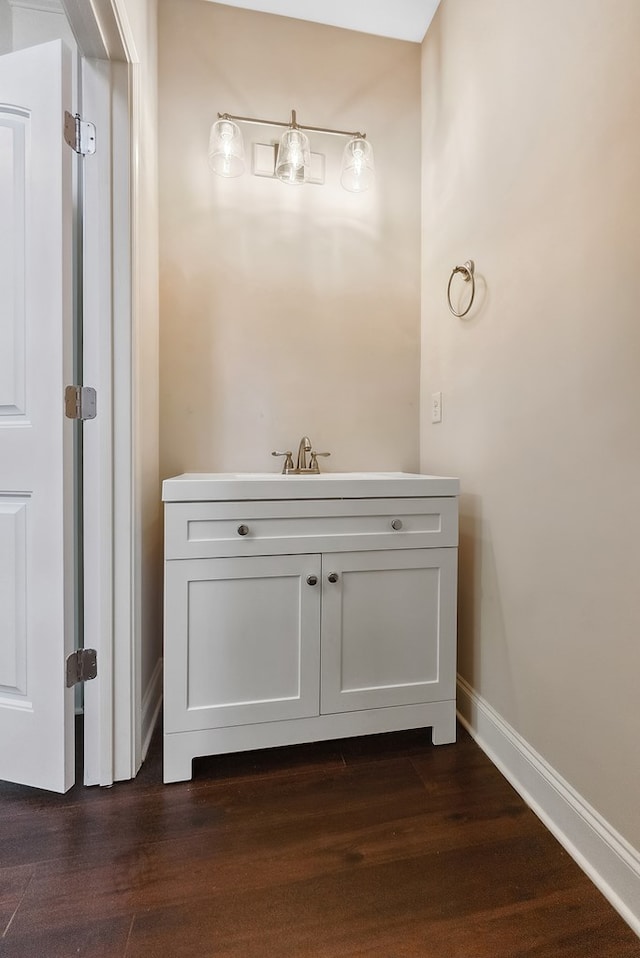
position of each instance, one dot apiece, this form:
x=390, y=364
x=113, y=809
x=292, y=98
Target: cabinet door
x=388, y=628
x=242, y=640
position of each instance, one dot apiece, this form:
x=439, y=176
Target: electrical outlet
x=436, y=407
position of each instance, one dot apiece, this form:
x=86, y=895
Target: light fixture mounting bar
x=290, y=124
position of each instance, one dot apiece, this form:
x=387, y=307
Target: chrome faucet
x=303, y=449
x=302, y=466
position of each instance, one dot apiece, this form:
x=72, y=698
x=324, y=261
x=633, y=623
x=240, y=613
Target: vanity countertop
x=222, y=486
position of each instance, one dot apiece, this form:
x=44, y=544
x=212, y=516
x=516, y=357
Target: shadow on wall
x=481, y=620
x=468, y=600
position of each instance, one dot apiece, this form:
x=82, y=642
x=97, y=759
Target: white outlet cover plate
x=436, y=407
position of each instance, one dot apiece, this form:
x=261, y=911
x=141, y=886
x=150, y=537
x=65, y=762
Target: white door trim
x=98, y=433
x=99, y=30
x=112, y=701
x=126, y=585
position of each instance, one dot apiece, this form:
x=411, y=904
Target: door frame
x=112, y=701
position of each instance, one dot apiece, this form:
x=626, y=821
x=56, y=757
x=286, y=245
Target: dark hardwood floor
x=385, y=847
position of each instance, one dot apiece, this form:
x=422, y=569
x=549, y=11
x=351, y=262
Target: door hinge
x=82, y=666
x=79, y=134
x=80, y=402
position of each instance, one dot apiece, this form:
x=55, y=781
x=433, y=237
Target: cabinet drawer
x=211, y=529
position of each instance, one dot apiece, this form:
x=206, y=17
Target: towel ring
x=467, y=270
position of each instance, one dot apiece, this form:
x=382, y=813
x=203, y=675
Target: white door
x=388, y=628
x=36, y=494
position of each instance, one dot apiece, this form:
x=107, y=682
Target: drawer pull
x=333, y=577
x=243, y=530
x=312, y=580
x=396, y=524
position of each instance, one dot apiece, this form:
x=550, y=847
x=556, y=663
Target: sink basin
x=217, y=486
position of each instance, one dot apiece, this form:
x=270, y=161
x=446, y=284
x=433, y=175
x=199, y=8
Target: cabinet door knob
x=312, y=580
x=243, y=530
x=333, y=577
x=396, y=524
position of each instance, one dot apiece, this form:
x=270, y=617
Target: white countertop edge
x=191, y=487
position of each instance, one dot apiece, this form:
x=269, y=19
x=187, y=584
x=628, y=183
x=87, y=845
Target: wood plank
x=381, y=847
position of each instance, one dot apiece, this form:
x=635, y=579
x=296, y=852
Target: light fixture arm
x=292, y=124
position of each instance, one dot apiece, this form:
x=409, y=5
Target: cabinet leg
x=443, y=732
x=177, y=764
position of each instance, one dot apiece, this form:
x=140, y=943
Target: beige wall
x=286, y=310
x=531, y=152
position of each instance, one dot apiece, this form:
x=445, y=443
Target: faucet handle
x=313, y=465
x=287, y=466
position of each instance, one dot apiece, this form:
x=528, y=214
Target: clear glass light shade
x=294, y=157
x=358, y=169
x=226, y=149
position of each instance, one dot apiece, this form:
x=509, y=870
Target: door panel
x=14, y=128
x=13, y=597
x=388, y=628
x=244, y=641
x=36, y=491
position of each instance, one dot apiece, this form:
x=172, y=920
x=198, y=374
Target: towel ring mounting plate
x=467, y=270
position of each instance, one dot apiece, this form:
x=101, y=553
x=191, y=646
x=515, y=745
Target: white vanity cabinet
x=307, y=615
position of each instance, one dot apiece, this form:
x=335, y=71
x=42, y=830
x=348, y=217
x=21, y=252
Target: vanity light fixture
x=357, y=165
x=294, y=155
x=226, y=151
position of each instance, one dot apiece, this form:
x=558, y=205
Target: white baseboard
x=612, y=864
x=151, y=702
